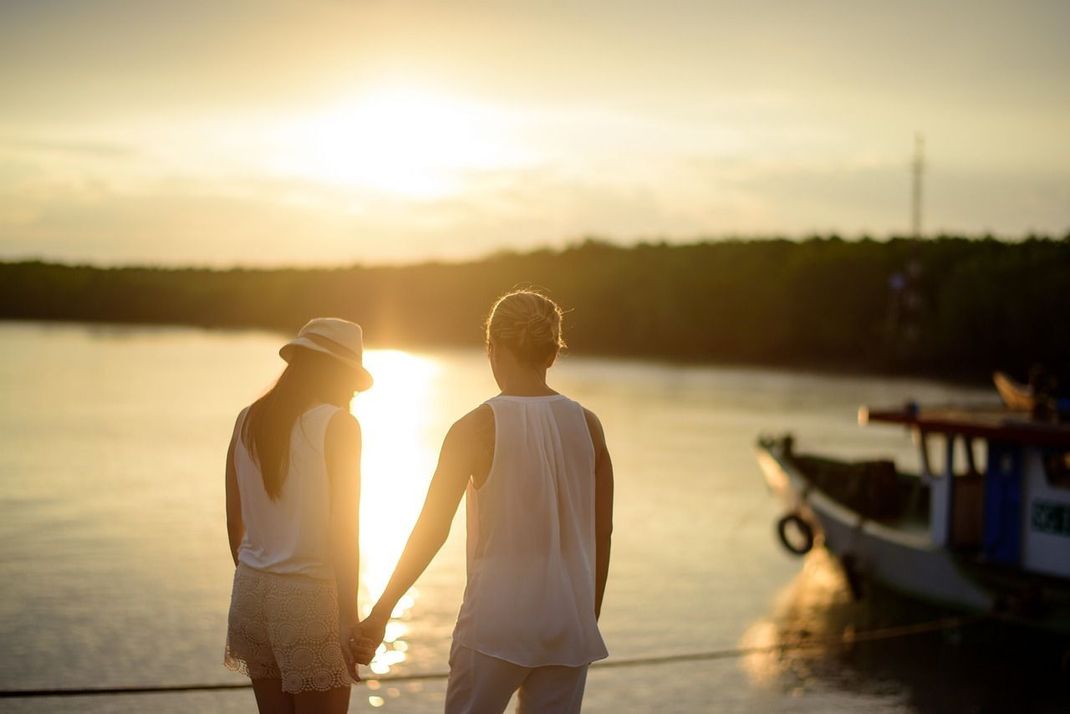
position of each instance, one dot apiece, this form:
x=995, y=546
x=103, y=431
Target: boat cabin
x=1001, y=487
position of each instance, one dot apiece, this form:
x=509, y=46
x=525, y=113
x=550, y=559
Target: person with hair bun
x=539, y=484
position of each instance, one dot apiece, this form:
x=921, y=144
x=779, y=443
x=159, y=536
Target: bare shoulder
x=343, y=427
x=471, y=433
x=598, y=434
x=473, y=426
x=466, y=441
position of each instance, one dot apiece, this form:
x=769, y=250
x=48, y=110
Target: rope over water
x=848, y=638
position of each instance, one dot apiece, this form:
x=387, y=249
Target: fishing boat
x=983, y=527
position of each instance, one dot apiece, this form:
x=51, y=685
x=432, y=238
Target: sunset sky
x=335, y=131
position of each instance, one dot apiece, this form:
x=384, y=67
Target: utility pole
x=917, y=167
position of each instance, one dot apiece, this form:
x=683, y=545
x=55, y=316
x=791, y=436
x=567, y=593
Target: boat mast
x=917, y=168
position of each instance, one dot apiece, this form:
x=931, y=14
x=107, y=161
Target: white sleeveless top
x=289, y=535
x=531, y=539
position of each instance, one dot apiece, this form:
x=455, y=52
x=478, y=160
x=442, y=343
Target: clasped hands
x=364, y=639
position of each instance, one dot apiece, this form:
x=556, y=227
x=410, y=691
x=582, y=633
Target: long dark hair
x=310, y=377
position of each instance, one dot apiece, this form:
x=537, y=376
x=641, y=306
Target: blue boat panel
x=1003, y=504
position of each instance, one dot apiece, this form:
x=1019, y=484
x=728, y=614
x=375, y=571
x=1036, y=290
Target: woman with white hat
x=293, y=491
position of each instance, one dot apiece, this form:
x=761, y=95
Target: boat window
x=931, y=449
x=1057, y=467
x=971, y=453
x=969, y=456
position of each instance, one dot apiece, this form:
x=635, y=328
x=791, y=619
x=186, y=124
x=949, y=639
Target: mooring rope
x=847, y=638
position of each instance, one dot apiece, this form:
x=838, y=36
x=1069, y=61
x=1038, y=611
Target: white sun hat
x=341, y=339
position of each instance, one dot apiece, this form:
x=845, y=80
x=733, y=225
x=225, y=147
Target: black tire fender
x=799, y=523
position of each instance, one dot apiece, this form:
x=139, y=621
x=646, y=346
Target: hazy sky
x=337, y=131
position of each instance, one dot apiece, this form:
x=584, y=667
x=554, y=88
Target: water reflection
x=398, y=459
x=814, y=606
x=968, y=669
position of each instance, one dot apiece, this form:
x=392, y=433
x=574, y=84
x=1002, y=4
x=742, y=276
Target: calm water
x=114, y=566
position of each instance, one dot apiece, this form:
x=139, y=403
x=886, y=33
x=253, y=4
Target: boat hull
x=902, y=560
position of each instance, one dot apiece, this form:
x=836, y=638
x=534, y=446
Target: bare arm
x=342, y=452
x=603, y=504
x=235, y=526
x=433, y=526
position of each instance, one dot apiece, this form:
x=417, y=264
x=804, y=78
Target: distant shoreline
x=949, y=308
x=554, y=248
x=418, y=347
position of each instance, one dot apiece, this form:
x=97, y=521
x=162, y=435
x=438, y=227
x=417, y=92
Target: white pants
x=481, y=684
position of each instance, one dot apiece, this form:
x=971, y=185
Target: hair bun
x=540, y=327
x=528, y=323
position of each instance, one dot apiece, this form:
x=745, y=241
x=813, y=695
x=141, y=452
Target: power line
x=848, y=638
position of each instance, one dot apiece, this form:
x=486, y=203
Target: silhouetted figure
x=293, y=491
x=539, y=485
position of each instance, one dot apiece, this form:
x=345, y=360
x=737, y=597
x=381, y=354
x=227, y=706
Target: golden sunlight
x=412, y=143
x=809, y=611
x=397, y=463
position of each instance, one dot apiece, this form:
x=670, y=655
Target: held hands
x=355, y=649
x=368, y=635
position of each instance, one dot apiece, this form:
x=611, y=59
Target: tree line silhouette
x=948, y=306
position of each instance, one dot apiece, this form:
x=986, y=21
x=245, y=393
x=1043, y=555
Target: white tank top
x=531, y=539
x=291, y=534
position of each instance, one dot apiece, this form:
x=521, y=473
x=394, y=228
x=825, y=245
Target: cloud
x=72, y=201
x=91, y=149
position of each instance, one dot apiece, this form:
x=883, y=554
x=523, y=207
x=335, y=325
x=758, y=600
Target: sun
x=412, y=143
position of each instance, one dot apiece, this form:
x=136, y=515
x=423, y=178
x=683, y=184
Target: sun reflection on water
x=397, y=462
x=814, y=607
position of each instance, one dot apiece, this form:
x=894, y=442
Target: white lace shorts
x=285, y=627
